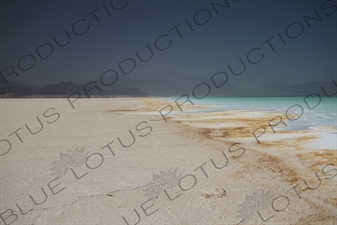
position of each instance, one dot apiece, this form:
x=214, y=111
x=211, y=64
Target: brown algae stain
x=318, y=159
x=277, y=166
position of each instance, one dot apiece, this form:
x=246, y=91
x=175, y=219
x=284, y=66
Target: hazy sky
x=109, y=32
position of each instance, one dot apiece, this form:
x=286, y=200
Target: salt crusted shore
x=116, y=161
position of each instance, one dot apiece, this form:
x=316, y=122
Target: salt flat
x=136, y=167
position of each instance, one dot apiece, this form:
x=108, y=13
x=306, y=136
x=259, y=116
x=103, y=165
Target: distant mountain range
x=168, y=83
x=64, y=89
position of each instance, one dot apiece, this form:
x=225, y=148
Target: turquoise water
x=324, y=114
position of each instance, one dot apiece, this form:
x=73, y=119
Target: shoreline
x=118, y=184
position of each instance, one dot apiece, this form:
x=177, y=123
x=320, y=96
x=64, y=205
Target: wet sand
x=128, y=141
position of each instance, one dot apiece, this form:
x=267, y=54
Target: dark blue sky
x=131, y=25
